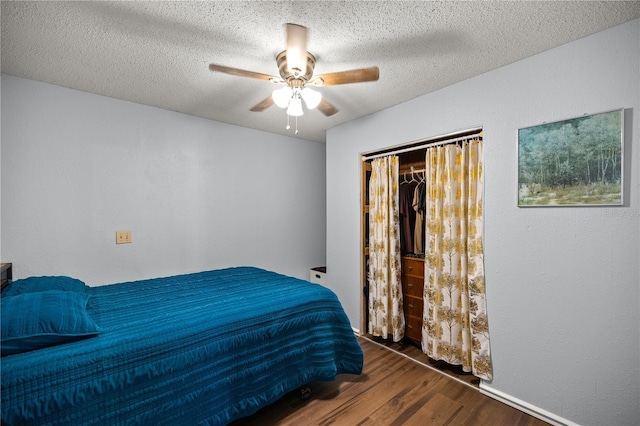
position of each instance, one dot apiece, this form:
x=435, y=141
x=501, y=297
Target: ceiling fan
x=296, y=66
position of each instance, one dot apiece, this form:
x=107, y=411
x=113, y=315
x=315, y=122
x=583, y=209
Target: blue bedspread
x=202, y=348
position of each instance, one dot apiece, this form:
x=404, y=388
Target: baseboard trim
x=525, y=406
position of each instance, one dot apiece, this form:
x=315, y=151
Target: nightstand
x=6, y=274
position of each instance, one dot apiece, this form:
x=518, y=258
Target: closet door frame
x=408, y=149
x=365, y=175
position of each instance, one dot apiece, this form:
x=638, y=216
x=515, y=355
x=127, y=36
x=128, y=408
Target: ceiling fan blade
x=243, y=73
x=326, y=108
x=346, y=77
x=261, y=106
x=297, y=49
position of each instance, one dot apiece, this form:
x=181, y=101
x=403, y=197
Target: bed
x=202, y=348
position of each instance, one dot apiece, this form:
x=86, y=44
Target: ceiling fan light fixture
x=311, y=97
x=295, y=106
x=282, y=96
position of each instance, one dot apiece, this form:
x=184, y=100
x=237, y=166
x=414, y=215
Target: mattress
x=203, y=348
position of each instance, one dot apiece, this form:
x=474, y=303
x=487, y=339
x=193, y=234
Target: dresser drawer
x=413, y=328
x=413, y=306
x=413, y=286
x=413, y=267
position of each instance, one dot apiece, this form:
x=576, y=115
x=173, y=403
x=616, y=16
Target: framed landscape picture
x=576, y=162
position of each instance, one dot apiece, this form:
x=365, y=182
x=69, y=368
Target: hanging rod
x=438, y=141
x=404, y=171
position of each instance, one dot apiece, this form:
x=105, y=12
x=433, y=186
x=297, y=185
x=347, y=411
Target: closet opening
x=411, y=185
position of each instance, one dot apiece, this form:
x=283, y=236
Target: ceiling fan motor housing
x=281, y=60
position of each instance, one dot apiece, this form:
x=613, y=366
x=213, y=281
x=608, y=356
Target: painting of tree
x=572, y=162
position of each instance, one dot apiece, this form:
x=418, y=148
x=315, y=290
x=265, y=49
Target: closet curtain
x=455, y=327
x=385, y=289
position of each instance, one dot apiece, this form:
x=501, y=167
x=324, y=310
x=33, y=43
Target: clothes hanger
x=413, y=179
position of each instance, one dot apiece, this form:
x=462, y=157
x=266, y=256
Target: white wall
x=196, y=194
x=1, y=170
x=562, y=283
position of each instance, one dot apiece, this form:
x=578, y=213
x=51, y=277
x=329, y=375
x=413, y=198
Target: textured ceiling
x=157, y=53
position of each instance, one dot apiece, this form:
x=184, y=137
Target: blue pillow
x=37, y=284
x=39, y=320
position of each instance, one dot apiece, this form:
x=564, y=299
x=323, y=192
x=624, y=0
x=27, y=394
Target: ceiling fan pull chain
x=296, y=125
x=288, y=127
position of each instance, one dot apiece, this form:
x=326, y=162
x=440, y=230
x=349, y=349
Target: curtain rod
x=427, y=144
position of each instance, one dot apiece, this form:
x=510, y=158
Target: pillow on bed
x=38, y=320
x=37, y=284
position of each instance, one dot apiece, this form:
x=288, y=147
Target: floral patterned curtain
x=385, y=289
x=455, y=327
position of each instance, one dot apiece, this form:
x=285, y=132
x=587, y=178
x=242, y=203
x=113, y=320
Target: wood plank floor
x=392, y=390
x=412, y=351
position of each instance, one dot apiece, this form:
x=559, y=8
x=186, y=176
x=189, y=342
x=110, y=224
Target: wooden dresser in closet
x=412, y=289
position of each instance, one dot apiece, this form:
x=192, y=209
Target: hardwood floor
x=392, y=390
x=412, y=351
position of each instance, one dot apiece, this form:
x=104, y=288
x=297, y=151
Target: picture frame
x=574, y=162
